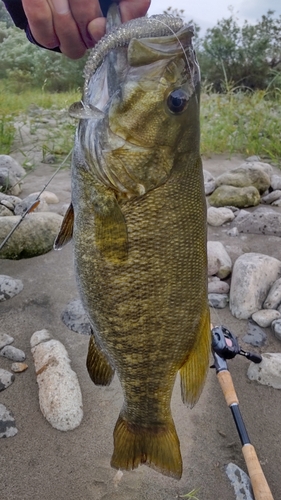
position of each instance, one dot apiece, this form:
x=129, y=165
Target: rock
x=276, y=328
x=9, y=287
x=269, y=198
x=233, y=232
x=239, y=197
x=255, y=335
x=268, y=372
x=275, y=182
x=8, y=204
x=5, y=212
x=264, y=317
x=75, y=318
x=276, y=203
x=209, y=182
x=39, y=337
x=219, y=262
x=34, y=236
x=9, y=201
x=6, y=379
x=218, y=300
x=240, y=482
x=28, y=202
x=60, y=396
x=252, y=276
x=10, y=174
x=261, y=221
x=7, y=423
x=273, y=299
x=47, y=196
x=8, y=162
x=253, y=159
x=12, y=353
x=248, y=174
x=63, y=209
x=19, y=367
x=218, y=216
x=5, y=340
x=218, y=286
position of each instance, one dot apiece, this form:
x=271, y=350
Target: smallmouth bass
x=139, y=230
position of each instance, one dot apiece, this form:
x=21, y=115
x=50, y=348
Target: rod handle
x=259, y=483
x=227, y=387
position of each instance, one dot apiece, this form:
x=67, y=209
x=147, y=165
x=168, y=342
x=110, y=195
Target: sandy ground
x=43, y=463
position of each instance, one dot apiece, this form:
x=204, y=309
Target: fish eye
x=177, y=101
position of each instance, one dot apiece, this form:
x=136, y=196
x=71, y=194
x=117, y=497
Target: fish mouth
x=163, y=37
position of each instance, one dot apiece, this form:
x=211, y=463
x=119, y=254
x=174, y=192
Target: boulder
x=248, y=174
x=218, y=216
x=268, y=372
x=263, y=220
x=239, y=197
x=219, y=262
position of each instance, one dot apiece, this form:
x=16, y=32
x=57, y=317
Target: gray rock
x=218, y=216
x=268, y=372
x=5, y=212
x=209, y=182
x=219, y=262
x=255, y=336
x=5, y=340
x=269, y=198
x=230, y=195
x=218, y=300
x=218, y=286
x=39, y=337
x=264, y=317
x=34, y=236
x=8, y=204
x=12, y=353
x=6, y=379
x=273, y=299
x=275, y=182
x=233, y=232
x=276, y=328
x=9, y=287
x=11, y=200
x=248, y=174
x=240, y=482
x=60, y=395
x=28, y=202
x=75, y=318
x=8, y=162
x=9, y=182
x=261, y=221
x=252, y=276
x=7, y=423
x=47, y=196
x=276, y=203
x=252, y=159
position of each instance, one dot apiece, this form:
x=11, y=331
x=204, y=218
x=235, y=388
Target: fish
x=138, y=219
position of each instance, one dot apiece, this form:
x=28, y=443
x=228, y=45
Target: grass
x=247, y=123
x=191, y=495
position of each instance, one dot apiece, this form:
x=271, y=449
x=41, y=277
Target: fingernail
x=61, y=6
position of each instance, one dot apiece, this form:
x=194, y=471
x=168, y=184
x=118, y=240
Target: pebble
x=264, y=317
x=276, y=328
x=9, y=287
x=12, y=353
x=218, y=300
x=273, y=299
x=219, y=216
x=268, y=372
x=5, y=339
x=6, y=379
x=75, y=318
x=39, y=337
x=263, y=220
x=252, y=276
x=240, y=482
x=233, y=232
x=60, y=397
x=48, y=196
x=19, y=367
x=218, y=286
x=7, y=423
x=4, y=211
x=276, y=203
x=255, y=335
x=273, y=196
x=275, y=182
x=219, y=262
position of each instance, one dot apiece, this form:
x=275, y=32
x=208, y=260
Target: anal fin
x=99, y=369
x=193, y=373
x=155, y=445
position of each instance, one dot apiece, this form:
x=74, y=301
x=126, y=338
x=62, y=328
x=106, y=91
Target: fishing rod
x=225, y=346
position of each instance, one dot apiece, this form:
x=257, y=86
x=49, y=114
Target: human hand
x=74, y=25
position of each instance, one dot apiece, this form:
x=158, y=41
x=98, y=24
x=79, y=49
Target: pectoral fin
x=98, y=367
x=66, y=230
x=193, y=373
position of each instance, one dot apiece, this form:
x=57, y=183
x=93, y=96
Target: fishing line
x=34, y=204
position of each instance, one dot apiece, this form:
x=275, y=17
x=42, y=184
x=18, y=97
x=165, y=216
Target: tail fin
x=156, y=446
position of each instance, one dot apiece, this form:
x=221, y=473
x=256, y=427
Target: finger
x=83, y=13
x=96, y=29
x=40, y=20
x=131, y=9
x=70, y=41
